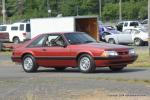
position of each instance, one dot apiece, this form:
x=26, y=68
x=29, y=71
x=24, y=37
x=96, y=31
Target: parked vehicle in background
x=22, y=31
x=128, y=36
x=4, y=35
x=145, y=24
x=123, y=25
x=65, y=24
x=4, y=32
x=19, y=32
x=107, y=30
x=71, y=49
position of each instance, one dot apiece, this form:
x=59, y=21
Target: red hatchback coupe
x=75, y=49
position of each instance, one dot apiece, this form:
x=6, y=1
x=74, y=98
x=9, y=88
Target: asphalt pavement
x=15, y=83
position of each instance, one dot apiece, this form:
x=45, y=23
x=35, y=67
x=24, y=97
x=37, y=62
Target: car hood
x=105, y=46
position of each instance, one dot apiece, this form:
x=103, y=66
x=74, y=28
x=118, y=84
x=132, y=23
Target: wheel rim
x=28, y=63
x=137, y=41
x=84, y=63
x=111, y=41
x=16, y=40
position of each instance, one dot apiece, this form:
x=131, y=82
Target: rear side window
x=3, y=28
x=21, y=27
x=14, y=28
x=38, y=42
x=28, y=28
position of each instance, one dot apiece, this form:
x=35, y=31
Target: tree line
x=25, y=9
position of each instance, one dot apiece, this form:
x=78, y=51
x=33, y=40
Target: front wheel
x=117, y=68
x=29, y=64
x=138, y=42
x=86, y=63
x=111, y=41
x=16, y=40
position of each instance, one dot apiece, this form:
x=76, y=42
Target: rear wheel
x=86, y=63
x=117, y=68
x=29, y=64
x=60, y=68
x=111, y=41
x=16, y=40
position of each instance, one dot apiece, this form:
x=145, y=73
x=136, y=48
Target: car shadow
x=126, y=70
x=98, y=70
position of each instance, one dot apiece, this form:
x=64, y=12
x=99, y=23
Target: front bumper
x=112, y=61
x=16, y=59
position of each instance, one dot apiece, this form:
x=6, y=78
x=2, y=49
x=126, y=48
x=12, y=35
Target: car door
x=125, y=37
x=55, y=53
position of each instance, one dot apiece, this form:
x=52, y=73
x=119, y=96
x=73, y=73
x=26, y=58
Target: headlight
x=132, y=52
x=109, y=53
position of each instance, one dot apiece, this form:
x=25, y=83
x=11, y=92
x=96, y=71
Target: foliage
x=25, y=9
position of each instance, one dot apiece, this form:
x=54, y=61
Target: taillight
x=24, y=34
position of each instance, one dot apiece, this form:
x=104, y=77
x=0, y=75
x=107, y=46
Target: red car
x=74, y=49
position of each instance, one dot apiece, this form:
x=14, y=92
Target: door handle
x=44, y=50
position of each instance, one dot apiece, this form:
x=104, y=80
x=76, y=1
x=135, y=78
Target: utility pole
x=57, y=6
x=149, y=25
x=48, y=8
x=77, y=10
x=120, y=10
x=100, y=9
x=4, y=11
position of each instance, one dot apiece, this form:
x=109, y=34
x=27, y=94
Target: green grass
x=7, y=53
x=143, y=59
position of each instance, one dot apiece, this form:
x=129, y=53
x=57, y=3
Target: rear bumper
x=4, y=40
x=112, y=61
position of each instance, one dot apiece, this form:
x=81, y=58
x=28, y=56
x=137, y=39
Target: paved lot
x=47, y=83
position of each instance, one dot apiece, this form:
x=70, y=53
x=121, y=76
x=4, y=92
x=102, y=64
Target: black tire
x=138, y=42
x=90, y=68
x=117, y=68
x=60, y=68
x=1, y=46
x=16, y=40
x=111, y=41
x=30, y=60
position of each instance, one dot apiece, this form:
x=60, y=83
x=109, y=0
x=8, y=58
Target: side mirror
x=63, y=45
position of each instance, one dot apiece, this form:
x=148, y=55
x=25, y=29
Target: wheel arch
x=27, y=53
x=81, y=53
x=137, y=38
x=15, y=37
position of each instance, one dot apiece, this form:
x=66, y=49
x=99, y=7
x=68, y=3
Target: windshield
x=143, y=30
x=79, y=38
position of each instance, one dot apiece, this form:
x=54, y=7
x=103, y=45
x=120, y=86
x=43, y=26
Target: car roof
x=62, y=32
x=128, y=21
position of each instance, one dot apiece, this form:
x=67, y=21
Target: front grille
x=123, y=53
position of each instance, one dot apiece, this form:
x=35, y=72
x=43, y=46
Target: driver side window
x=54, y=40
